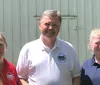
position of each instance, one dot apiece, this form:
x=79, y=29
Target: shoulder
x=10, y=72
x=65, y=44
x=87, y=63
x=29, y=45
x=68, y=49
x=9, y=65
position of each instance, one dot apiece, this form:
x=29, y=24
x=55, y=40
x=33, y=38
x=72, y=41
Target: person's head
x=3, y=45
x=50, y=23
x=94, y=41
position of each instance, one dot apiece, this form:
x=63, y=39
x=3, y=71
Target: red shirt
x=9, y=74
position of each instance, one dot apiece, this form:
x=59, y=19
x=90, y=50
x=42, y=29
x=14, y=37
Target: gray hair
x=94, y=32
x=52, y=13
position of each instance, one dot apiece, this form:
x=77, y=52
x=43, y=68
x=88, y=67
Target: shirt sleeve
x=76, y=66
x=22, y=63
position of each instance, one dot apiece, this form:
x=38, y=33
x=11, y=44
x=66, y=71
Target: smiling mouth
x=51, y=32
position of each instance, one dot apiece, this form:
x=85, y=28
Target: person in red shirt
x=8, y=74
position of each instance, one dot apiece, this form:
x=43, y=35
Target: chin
x=51, y=36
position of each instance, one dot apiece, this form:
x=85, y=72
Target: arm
x=76, y=81
x=76, y=70
x=22, y=82
x=21, y=67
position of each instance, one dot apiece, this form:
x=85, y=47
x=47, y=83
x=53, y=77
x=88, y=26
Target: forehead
x=47, y=18
x=96, y=39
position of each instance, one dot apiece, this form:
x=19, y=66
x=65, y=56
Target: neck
x=49, y=42
x=97, y=59
x=1, y=64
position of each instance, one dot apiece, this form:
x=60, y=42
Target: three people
x=48, y=60
x=90, y=73
x=8, y=74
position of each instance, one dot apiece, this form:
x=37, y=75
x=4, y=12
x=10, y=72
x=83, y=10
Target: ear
x=90, y=45
x=39, y=25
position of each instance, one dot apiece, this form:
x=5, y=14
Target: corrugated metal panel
x=1, y=15
x=82, y=31
x=8, y=26
x=19, y=22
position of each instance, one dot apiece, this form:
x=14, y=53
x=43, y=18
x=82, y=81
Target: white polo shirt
x=41, y=66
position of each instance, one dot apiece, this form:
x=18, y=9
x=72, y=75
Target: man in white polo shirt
x=48, y=60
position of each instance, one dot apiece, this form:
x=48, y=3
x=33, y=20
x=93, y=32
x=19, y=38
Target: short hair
x=51, y=13
x=94, y=32
x=4, y=39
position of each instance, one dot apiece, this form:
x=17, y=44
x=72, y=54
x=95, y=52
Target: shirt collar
x=92, y=60
x=43, y=47
x=93, y=63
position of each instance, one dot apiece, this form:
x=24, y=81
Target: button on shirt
x=44, y=66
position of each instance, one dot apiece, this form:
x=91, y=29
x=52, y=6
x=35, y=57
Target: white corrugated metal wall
x=18, y=21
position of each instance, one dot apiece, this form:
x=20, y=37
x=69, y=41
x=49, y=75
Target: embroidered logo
x=10, y=76
x=61, y=57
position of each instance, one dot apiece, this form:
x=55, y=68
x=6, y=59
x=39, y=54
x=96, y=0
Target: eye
x=1, y=45
x=54, y=25
x=47, y=24
x=97, y=43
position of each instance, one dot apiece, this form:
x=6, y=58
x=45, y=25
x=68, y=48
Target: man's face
x=95, y=45
x=49, y=26
x=2, y=47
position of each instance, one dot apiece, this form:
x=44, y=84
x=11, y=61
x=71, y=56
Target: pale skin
x=95, y=47
x=23, y=82
x=76, y=81
x=50, y=27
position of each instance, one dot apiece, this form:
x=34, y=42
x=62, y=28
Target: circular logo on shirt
x=61, y=57
x=10, y=76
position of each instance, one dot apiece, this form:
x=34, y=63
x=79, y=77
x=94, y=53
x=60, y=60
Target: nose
x=50, y=27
